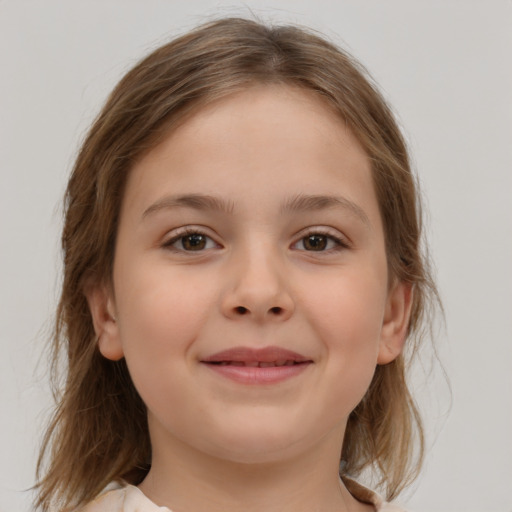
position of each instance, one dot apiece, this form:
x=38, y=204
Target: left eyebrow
x=304, y=202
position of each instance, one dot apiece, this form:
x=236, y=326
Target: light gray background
x=446, y=66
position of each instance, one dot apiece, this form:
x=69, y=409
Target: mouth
x=257, y=364
x=267, y=365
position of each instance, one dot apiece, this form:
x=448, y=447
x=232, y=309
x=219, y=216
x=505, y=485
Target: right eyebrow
x=195, y=201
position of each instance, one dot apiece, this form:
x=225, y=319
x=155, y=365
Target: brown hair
x=99, y=430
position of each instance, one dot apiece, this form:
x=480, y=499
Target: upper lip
x=256, y=355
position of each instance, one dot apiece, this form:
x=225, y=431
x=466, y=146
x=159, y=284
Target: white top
x=128, y=498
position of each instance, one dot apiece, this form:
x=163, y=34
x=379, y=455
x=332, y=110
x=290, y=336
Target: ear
x=396, y=321
x=102, y=306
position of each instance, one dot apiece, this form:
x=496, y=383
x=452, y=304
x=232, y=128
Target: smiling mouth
x=257, y=364
x=267, y=365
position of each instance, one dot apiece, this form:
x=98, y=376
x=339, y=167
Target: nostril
x=242, y=310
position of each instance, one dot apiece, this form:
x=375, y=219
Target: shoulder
x=128, y=498
x=118, y=497
x=365, y=495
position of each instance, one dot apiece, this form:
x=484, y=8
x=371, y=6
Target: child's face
x=254, y=226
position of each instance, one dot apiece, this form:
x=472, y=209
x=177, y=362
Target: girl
x=241, y=272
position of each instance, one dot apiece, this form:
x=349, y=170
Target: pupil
x=194, y=242
x=315, y=242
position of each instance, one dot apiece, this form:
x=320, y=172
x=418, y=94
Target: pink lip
x=267, y=365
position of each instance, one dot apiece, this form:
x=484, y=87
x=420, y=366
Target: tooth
x=252, y=364
x=289, y=363
x=237, y=363
x=282, y=362
x=266, y=365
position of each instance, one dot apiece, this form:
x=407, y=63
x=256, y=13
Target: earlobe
x=396, y=322
x=102, y=308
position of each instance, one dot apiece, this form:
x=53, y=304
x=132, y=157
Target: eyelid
x=174, y=235
x=342, y=241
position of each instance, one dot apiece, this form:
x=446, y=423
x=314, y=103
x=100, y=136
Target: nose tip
x=257, y=286
x=261, y=301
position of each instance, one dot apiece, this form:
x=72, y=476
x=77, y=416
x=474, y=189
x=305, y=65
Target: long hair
x=99, y=431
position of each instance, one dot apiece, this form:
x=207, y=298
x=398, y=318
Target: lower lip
x=258, y=376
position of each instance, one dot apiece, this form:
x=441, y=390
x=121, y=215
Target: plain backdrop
x=446, y=67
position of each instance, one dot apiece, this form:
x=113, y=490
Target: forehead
x=265, y=139
x=300, y=113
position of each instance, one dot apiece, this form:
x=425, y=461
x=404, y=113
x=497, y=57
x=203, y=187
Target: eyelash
x=340, y=243
x=183, y=234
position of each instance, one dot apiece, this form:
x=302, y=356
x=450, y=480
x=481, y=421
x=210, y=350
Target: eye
x=320, y=242
x=191, y=241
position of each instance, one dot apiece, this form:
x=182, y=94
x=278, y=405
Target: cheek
x=349, y=309
x=348, y=317
x=162, y=314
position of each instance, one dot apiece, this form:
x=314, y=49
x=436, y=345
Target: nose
x=257, y=289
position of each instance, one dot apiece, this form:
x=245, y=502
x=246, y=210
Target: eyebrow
x=195, y=201
x=303, y=202
x=300, y=202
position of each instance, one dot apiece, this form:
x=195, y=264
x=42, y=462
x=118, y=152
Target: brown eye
x=194, y=242
x=191, y=242
x=315, y=242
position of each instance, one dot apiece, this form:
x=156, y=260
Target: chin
x=258, y=445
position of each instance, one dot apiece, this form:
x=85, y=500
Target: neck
x=186, y=480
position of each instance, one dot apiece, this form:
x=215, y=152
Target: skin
x=224, y=445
